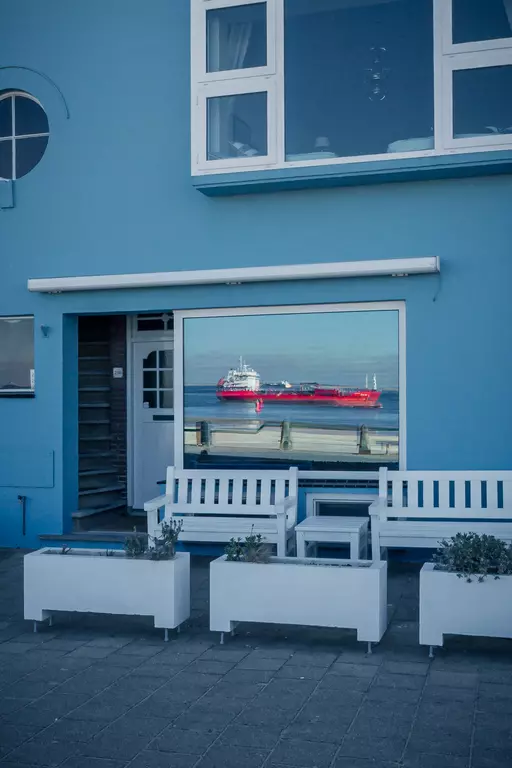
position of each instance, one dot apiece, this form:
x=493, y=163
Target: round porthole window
x=24, y=134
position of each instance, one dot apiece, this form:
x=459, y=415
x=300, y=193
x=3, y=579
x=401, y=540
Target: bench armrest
x=156, y=503
x=378, y=508
x=288, y=507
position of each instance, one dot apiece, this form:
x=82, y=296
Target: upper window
x=24, y=134
x=307, y=82
x=16, y=355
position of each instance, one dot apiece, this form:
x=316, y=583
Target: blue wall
x=113, y=194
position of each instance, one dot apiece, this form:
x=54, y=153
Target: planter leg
x=50, y=620
x=222, y=638
x=233, y=632
x=431, y=651
x=166, y=635
x=178, y=628
x=369, y=648
x=35, y=626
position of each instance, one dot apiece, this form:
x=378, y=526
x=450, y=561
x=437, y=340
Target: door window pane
x=149, y=398
x=481, y=20
x=166, y=358
x=237, y=126
x=358, y=78
x=166, y=398
x=150, y=361
x=16, y=354
x=482, y=102
x=30, y=117
x=166, y=379
x=314, y=390
x=236, y=37
x=149, y=379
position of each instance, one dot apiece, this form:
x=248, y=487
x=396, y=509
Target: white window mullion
x=279, y=82
x=442, y=14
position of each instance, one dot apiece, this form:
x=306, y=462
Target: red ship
x=243, y=384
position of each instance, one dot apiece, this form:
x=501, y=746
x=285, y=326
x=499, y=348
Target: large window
x=16, y=355
x=316, y=387
x=24, y=134
x=286, y=83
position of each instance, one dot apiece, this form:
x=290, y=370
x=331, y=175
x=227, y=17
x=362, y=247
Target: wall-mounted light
x=45, y=331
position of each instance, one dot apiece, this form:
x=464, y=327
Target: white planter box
x=309, y=591
x=451, y=606
x=88, y=581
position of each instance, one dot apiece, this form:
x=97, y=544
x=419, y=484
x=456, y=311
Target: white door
x=153, y=417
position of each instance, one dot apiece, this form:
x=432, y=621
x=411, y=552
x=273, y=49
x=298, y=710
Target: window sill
x=352, y=174
x=17, y=394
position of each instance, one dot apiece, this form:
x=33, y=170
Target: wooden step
x=95, y=455
x=88, y=358
x=92, y=472
x=94, y=405
x=94, y=421
x=94, y=389
x=90, y=439
x=88, y=511
x=103, y=489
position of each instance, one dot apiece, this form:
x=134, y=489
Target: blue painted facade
x=113, y=194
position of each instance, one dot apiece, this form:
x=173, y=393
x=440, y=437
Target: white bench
x=420, y=509
x=217, y=505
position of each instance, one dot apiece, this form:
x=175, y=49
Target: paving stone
x=28, y=689
x=442, y=694
x=449, y=742
x=370, y=727
x=92, y=762
x=72, y=730
x=409, y=682
x=61, y=644
x=190, y=742
x=12, y=735
x=435, y=761
x=354, y=762
x=406, y=667
x=491, y=758
x=349, y=669
x=273, y=651
x=124, y=747
x=313, y=659
x=260, y=662
x=90, y=652
x=294, y=671
x=304, y=754
x=331, y=731
x=38, y=751
x=110, y=642
x=196, y=679
x=249, y=676
x=345, y=682
x=228, y=655
x=452, y=679
x=214, y=667
x=163, y=671
x=47, y=709
x=140, y=649
x=204, y=719
x=100, y=710
x=376, y=748
x=250, y=736
x=265, y=717
x=224, y=756
x=153, y=759
x=390, y=695
x=132, y=725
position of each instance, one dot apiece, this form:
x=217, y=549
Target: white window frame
x=199, y=41
x=22, y=391
x=14, y=138
x=447, y=57
x=234, y=88
x=179, y=361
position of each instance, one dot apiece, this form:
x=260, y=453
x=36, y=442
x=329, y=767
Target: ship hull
x=355, y=399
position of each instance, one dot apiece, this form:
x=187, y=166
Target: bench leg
x=354, y=546
x=222, y=638
x=369, y=648
x=166, y=635
x=431, y=651
x=301, y=545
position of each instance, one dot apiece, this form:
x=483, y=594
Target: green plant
x=470, y=555
x=109, y=553
x=135, y=545
x=252, y=549
x=65, y=550
x=164, y=546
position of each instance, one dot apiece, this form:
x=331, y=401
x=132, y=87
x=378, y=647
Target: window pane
x=166, y=398
x=482, y=101
x=237, y=126
x=264, y=410
x=28, y=153
x=30, y=117
x=6, y=159
x=236, y=37
x=149, y=379
x=358, y=78
x=166, y=379
x=481, y=20
x=149, y=398
x=6, y=117
x=150, y=361
x=166, y=358
x=16, y=353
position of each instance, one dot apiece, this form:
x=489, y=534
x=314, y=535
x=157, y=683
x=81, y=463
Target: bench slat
x=224, y=491
x=444, y=494
x=413, y=498
x=397, y=493
x=237, y=491
x=460, y=495
x=492, y=494
x=428, y=493
x=280, y=490
x=448, y=513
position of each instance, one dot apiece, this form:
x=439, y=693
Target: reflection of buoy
x=259, y=405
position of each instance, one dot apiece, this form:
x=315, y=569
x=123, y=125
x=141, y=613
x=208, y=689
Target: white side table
x=329, y=529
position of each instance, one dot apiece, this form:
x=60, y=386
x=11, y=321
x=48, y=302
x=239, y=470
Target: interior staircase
x=100, y=490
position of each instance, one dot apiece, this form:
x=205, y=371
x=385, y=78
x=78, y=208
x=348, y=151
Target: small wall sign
x=117, y=373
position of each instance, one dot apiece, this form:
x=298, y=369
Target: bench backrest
x=446, y=494
x=225, y=490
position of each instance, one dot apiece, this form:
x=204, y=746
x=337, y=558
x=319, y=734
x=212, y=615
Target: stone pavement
x=101, y=692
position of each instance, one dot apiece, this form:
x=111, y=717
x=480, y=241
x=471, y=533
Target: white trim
x=445, y=55
x=335, y=269
x=343, y=496
x=130, y=399
x=181, y=315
